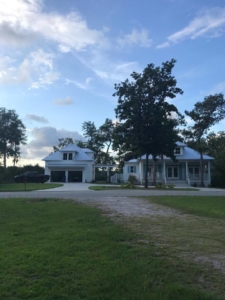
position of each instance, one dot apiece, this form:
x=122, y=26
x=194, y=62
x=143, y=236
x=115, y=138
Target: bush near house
x=7, y=175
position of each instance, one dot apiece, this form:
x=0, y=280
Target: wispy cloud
x=209, y=23
x=36, y=69
x=83, y=86
x=218, y=88
x=136, y=37
x=63, y=102
x=36, y=118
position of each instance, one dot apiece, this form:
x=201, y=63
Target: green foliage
x=68, y=141
x=170, y=186
x=7, y=175
x=205, y=114
x=215, y=147
x=128, y=185
x=100, y=140
x=12, y=134
x=147, y=121
x=132, y=179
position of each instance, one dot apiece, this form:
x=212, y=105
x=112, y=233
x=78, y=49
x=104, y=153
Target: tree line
x=148, y=124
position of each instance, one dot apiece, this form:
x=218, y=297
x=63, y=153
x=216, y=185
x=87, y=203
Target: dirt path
x=195, y=240
x=128, y=206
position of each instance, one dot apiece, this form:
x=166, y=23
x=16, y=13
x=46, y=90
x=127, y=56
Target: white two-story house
x=71, y=164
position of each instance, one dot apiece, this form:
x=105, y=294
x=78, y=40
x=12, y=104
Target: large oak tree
x=147, y=121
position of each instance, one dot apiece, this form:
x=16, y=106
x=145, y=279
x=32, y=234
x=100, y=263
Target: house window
x=177, y=150
x=70, y=156
x=131, y=169
x=64, y=156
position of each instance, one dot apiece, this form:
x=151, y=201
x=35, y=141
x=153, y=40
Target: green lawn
x=61, y=250
x=16, y=187
x=213, y=207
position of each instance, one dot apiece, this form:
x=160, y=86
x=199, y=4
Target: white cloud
x=209, y=23
x=36, y=118
x=139, y=38
x=45, y=79
x=22, y=21
x=11, y=73
x=82, y=86
x=42, y=141
x=218, y=88
x=36, y=69
x=63, y=102
x=163, y=45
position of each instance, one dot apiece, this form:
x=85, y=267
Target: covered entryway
x=172, y=172
x=75, y=176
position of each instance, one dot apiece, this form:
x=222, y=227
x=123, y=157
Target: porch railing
x=197, y=177
x=116, y=178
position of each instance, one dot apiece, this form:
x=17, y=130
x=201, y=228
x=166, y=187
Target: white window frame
x=176, y=150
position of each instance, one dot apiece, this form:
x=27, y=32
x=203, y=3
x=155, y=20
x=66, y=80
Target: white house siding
x=127, y=173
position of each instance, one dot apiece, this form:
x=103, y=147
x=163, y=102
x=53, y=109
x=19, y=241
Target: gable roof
x=81, y=153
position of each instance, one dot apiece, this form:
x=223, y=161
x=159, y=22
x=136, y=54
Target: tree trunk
x=146, y=171
x=163, y=175
x=154, y=172
x=4, y=159
x=201, y=169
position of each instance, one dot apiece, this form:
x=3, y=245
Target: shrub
x=170, y=186
x=132, y=179
x=128, y=185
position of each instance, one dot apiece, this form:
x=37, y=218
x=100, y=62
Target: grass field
x=213, y=207
x=16, y=187
x=59, y=250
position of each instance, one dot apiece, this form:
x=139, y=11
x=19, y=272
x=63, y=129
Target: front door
x=172, y=172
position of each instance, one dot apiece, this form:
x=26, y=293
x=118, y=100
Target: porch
x=183, y=172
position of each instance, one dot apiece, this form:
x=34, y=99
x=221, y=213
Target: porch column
x=66, y=176
x=209, y=172
x=186, y=167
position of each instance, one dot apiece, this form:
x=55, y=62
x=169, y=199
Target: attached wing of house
x=186, y=171
x=70, y=164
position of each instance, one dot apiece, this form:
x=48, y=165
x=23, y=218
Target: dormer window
x=67, y=156
x=177, y=150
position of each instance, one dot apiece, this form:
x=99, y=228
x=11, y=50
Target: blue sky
x=59, y=60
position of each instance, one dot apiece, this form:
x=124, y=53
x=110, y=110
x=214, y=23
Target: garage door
x=75, y=176
x=58, y=176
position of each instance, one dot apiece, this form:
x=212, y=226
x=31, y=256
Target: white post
x=186, y=169
x=66, y=176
